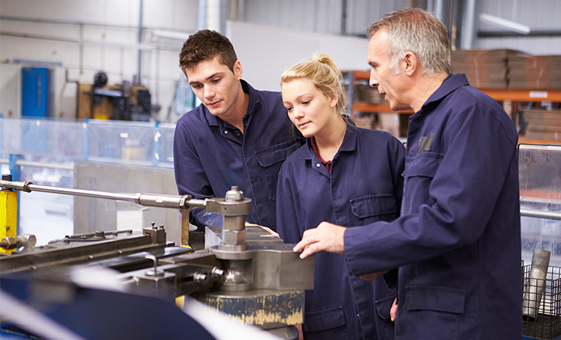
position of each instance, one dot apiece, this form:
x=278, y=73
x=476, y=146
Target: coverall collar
x=449, y=85
x=253, y=105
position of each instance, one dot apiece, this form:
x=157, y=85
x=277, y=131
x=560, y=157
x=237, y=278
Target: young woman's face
x=308, y=108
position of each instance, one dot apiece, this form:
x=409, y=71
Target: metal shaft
x=550, y=215
x=536, y=284
x=152, y=200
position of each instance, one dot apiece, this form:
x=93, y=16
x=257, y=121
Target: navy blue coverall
x=210, y=156
x=364, y=186
x=457, y=241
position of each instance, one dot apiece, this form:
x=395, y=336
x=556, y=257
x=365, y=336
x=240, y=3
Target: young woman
x=345, y=175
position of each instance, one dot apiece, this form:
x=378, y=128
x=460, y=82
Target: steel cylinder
x=535, y=284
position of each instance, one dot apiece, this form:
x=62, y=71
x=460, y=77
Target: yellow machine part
x=8, y=215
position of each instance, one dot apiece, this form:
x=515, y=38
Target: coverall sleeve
x=396, y=156
x=191, y=178
x=397, y=161
x=463, y=182
x=287, y=221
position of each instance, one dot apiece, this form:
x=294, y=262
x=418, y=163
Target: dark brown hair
x=205, y=45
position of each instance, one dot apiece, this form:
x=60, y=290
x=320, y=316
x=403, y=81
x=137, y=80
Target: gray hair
x=415, y=30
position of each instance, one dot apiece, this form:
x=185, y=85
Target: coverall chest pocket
x=418, y=175
x=271, y=159
x=374, y=207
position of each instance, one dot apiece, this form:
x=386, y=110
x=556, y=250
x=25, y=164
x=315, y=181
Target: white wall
x=265, y=51
x=10, y=90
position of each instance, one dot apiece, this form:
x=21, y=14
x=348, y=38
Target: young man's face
x=216, y=85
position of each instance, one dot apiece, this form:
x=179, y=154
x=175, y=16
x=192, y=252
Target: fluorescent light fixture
x=118, y=46
x=171, y=34
x=503, y=23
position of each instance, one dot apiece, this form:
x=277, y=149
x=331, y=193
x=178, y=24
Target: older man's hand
x=326, y=237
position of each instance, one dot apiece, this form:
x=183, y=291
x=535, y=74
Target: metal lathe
x=258, y=283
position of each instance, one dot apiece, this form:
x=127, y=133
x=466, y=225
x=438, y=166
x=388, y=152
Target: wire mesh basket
x=541, y=308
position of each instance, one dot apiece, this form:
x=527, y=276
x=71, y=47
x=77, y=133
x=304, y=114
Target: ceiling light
x=503, y=23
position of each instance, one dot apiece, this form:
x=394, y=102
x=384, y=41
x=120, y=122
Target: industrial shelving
x=510, y=98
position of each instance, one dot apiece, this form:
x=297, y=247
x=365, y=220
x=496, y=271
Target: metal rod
x=151, y=200
x=140, y=17
x=45, y=165
x=550, y=215
x=533, y=33
x=84, y=23
x=39, y=164
x=536, y=284
x=28, y=186
x=468, y=24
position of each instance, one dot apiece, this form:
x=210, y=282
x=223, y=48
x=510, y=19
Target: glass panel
x=540, y=189
x=59, y=143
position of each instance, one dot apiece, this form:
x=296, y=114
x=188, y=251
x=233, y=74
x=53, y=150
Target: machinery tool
x=259, y=284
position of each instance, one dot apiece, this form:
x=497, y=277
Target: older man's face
x=381, y=76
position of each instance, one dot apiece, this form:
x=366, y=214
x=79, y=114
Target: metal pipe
x=343, y=17
x=439, y=10
x=202, y=15
x=223, y=16
x=81, y=42
x=45, y=165
x=140, y=15
x=536, y=283
x=152, y=200
x=213, y=15
x=468, y=24
x=430, y=6
x=533, y=33
x=550, y=215
x=69, y=22
x=81, y=52
x=241, y=10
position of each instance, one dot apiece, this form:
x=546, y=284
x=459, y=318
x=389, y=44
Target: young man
x=457, y=241
x=237, y=136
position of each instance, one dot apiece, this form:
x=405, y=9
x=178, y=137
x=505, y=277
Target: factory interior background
x=128, y=50
x=90, y=92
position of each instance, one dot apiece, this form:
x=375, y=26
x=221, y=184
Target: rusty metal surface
x=265, y=309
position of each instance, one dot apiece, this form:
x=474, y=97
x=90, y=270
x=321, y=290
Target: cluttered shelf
x=524, y=95
x=528, y=86
x=498, y=95
x=535, y=123
x=516, y=95
x=369, y=109
x=362, y=97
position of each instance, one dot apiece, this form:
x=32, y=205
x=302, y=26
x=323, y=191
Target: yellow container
x=8, y=215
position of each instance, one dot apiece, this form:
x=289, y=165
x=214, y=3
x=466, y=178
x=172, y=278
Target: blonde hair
x=322, y=70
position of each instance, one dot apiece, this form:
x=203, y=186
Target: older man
x=457, y=242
